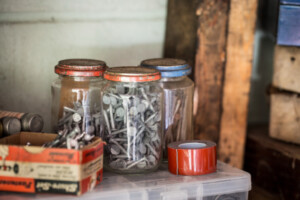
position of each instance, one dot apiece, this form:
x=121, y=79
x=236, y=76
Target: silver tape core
x=192, y=145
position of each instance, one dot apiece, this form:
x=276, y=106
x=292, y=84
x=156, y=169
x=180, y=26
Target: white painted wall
x=35, y=34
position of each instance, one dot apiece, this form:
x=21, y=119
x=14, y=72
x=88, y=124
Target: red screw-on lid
x=132, y=74
x=80, y=67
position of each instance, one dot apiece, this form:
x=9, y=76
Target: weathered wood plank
x=239, y=53
x=209, y=68
x=285, y=117
x=274, y=165
x=287, y=68
x=181, y=30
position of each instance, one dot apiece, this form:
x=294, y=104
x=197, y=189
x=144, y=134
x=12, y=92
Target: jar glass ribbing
x=76, y=96
x=178, y=98
x=133, y=125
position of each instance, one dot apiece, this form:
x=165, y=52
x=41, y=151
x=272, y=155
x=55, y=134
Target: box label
x=17, y=184
x=91, y=167
x=64, y=172
x=51, y=186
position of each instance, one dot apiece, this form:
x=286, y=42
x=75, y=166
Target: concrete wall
x=35, y=34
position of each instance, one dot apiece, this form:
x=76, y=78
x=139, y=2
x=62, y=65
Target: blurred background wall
x=36, y=34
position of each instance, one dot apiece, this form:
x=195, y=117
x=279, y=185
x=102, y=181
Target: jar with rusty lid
x=132, y=103
x=178, y=98
x=76, y=99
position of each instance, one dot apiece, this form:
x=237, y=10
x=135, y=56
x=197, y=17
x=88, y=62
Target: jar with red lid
x=132, y=103
x=76, y=97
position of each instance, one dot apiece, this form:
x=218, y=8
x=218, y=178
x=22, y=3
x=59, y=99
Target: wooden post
x=209, y=68
x=181, y=32
x=242, y=20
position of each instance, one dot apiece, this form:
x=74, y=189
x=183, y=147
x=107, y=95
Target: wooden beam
x=239, y=53
x=209, y=68
x=274, y=165
x=181, y=31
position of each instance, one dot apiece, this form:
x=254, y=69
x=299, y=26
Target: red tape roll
x=192, y=157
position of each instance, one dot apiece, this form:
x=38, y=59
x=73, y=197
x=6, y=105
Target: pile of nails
x=77, y=127
x=132, y=116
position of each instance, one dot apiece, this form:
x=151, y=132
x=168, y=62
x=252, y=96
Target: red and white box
x=35, y=169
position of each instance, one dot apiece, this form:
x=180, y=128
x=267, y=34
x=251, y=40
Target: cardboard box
x=34, y=169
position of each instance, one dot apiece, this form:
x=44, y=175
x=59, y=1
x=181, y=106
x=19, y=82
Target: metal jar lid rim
x=80, y=67
x=132, y=74
x=165, y=64
x=176, y=73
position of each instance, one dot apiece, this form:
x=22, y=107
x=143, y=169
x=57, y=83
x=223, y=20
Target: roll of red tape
x=192, y=157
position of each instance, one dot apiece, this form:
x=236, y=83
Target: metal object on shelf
x=75, y=130
x=178, y=98
x=132, y=109
x=135, y=139
x=10, y=125
x=29, y=121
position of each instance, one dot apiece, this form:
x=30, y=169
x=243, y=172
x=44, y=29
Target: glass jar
x=76, y=97
x=178, y=98
x=133, y=126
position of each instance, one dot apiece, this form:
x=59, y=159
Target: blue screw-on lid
x=168, y=67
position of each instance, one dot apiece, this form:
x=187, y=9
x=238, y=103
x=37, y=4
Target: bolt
x=80, y=136
x=152, y=150
x=113, y=101
x=133, y=111
x=151, y=159
x=121, y=139
x=121, y=148
x=90, y=130
x=120, y=89
x=112, y=121
x=141, y=108
x=76, y=117
x=118, y=164
x=143, y=124
x=131, y=131
x=150, y=118
x=67, y=109
x=146, y=98
x=121, y=156
x=106, y=99
x=114, y=149
x=67, y=118
x=107, y=122
x=88, y=137
x=119, y=131
x=142, y=164
x=142, y=149
x=97, y=115
x=115, y=96
x=135, y=163
x=77, y=105
x=120, y=112
x=150, y=134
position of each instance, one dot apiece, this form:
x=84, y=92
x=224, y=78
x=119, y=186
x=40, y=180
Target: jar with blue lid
x=178, y=98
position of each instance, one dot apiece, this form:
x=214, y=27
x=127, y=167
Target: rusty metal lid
x=132, y=74
x=80, y=67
